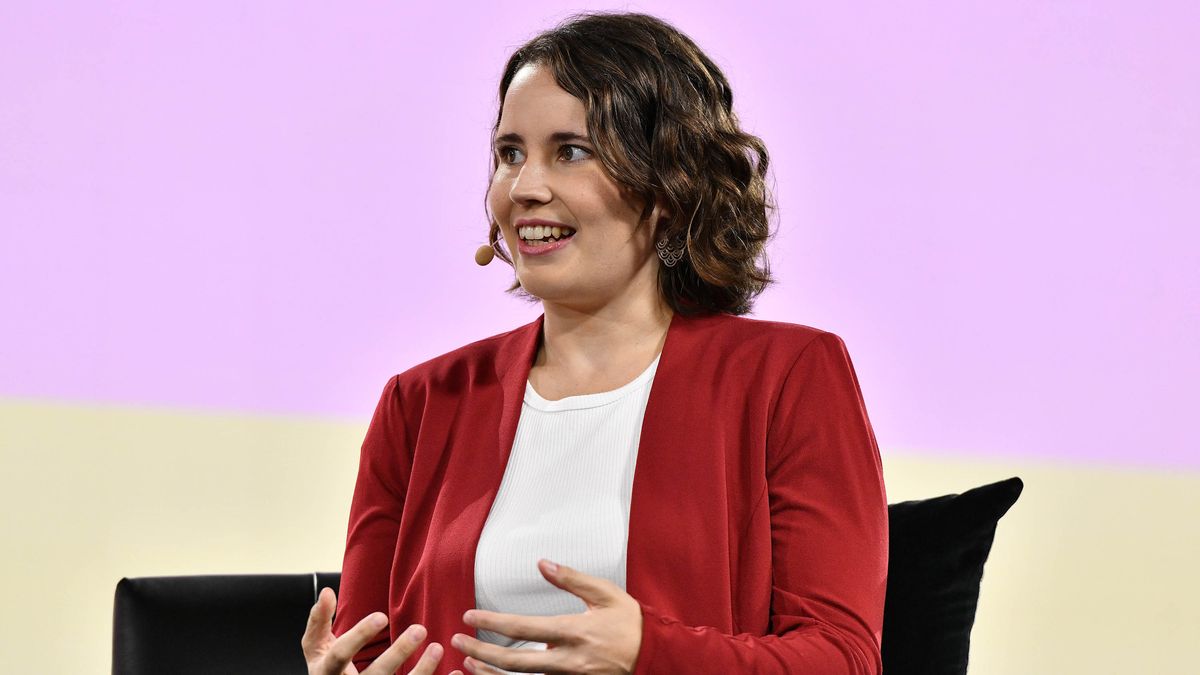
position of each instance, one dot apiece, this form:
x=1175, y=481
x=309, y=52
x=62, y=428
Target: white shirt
x=565, y=497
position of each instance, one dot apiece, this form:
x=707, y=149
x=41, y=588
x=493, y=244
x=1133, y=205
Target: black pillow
x=936, y=556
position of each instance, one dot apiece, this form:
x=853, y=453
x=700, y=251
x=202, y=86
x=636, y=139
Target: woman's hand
x=604, y=639
x=327, y=655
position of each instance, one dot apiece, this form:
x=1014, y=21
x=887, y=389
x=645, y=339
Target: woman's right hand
x=327, y=655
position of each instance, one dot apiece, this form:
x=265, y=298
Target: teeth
x=539, y=232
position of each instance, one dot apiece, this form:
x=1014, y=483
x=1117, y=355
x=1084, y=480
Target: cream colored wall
x=1092, y=571
x=93, y=495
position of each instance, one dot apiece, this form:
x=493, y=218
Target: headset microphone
x=484, y=255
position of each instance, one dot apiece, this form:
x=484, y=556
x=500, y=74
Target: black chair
x=205, y=625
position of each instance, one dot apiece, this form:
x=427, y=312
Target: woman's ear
x=658, y=217
x=661, y=213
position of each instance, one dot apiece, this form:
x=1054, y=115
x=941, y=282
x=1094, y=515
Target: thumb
x=594, y=591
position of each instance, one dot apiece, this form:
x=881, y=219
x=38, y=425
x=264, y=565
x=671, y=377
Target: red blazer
x=758, y=526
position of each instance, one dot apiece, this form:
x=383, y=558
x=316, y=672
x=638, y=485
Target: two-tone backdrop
x=224, y=226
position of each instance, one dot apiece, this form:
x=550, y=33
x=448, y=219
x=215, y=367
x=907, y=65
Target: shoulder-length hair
x=660, y=113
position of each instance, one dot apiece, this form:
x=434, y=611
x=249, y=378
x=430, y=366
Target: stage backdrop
x=225, y=225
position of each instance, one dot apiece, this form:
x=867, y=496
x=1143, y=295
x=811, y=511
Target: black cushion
x=938, y=548
x=202, y=625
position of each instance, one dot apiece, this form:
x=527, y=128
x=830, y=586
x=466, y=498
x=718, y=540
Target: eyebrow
x=556, y=137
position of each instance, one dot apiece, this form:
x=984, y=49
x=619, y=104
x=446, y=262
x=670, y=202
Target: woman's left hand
x=604, y=639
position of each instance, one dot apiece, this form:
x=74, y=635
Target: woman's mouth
x=540, y=239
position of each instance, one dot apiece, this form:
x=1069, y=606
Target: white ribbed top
x=564, y=497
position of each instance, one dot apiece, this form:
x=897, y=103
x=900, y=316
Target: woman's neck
x=582, y=351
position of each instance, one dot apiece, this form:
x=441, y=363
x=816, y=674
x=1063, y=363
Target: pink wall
x=272, y=207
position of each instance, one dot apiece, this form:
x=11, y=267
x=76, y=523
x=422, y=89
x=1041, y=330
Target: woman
x=709, y=485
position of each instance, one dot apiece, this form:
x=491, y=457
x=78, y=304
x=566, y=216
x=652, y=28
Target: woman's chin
x=552, y=288
x=544, y=290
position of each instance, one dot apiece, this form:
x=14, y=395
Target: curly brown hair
x=660, y=113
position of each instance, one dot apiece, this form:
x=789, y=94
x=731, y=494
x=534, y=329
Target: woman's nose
x=530, y=186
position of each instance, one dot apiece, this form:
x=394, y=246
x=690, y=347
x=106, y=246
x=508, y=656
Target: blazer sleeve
x=375, y=509
x=828, y=514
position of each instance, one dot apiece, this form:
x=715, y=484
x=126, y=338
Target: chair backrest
x=202, y=625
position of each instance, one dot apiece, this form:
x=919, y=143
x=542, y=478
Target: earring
x=670, y=250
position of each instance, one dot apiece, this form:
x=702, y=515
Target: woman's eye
x=508, y=154
x=566, y=149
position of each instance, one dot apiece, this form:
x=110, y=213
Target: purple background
x=271, y=207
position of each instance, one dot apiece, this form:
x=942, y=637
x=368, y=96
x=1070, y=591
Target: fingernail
x=378, y=621
x=553, y=567
x=416, y=633
x=434, y=651
x=469, y=616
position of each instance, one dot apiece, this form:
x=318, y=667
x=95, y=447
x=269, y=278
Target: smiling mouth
x=537, y=235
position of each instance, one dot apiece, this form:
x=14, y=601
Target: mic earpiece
x=484, y=255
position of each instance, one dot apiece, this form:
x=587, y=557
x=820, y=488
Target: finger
x=399, y=651
x=594, y=591
x=429, y=660
x=320, y=618
x=480, y=668
x=517, y=660
x=352, y=641
x=548, y=629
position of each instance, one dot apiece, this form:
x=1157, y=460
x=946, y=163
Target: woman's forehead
x=534, y=100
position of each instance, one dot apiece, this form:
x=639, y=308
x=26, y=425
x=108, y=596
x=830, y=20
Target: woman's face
x=547, y=171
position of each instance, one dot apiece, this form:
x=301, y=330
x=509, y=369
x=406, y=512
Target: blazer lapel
x=653, y=476
x=514, y=360
x=478, y=470
x=677, y=508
